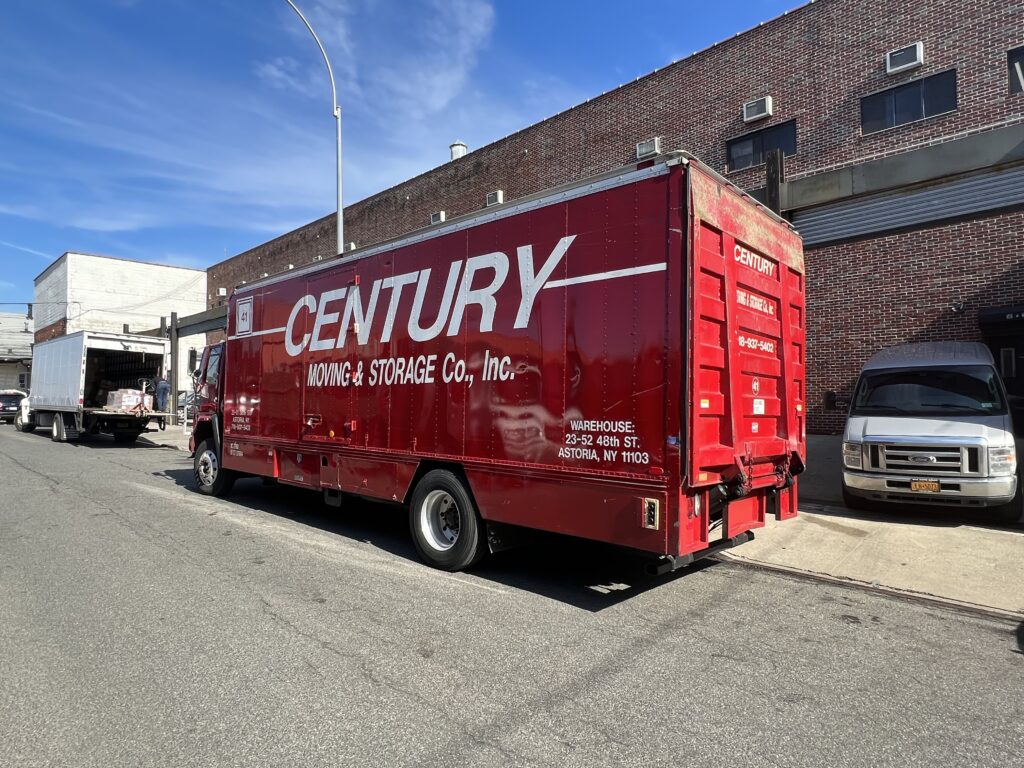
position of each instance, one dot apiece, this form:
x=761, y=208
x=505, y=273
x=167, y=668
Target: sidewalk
x=172, y=437
x=950, y=555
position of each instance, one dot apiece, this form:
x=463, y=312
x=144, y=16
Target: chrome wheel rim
x=206, y=467
x=440, y=520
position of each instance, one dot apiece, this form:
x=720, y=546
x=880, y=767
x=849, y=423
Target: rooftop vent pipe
x=458, y=149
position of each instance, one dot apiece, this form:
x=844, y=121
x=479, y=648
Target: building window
x=1015, y=63
x=909, y=103
x=749, y=150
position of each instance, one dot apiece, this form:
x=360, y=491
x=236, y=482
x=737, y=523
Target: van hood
x=994, y=430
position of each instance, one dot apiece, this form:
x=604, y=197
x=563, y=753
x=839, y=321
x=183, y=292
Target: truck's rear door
x=747, y=346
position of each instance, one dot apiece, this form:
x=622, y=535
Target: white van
x=929, y=424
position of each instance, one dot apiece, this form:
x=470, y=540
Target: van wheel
x=57, y=428
x=856, y=502
x=211, y=478
x=445, y=523
x=1011, y=513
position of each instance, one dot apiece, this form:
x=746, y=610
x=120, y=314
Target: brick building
x=903, y=129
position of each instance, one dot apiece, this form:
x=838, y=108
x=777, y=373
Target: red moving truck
x=620, y=359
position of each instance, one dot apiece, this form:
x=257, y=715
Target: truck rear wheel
x=57, y=428
x=446, y=526
x=211, y=478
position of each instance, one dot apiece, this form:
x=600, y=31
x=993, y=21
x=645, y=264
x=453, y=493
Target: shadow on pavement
x=99, y=441
x=913, y=514
x=588, y=575
x=1020, y=638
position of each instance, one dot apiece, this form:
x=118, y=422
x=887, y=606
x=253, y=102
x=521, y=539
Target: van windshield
x=9, y=400
x=930, y=391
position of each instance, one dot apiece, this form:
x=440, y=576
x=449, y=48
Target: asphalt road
x=144, y=625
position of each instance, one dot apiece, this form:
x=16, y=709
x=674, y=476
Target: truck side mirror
x=192, y=360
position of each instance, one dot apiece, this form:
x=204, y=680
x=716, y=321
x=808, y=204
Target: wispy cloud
x=23, y=249
x=257, y=155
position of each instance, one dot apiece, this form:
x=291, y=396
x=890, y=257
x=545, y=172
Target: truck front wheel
x=211, y=478
x=21, y=425
x=445, y=523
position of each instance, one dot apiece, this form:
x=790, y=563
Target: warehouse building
x=88, y=292
x=902, y=127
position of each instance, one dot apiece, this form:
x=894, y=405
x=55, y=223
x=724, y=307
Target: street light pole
x=337, y=117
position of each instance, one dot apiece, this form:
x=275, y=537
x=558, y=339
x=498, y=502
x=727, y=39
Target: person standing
x=162, y=388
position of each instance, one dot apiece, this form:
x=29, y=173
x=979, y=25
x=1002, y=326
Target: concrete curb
x=922, y=597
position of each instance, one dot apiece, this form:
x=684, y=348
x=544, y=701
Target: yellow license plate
x=925, y=485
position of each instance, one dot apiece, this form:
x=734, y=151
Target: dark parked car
x=9, y=400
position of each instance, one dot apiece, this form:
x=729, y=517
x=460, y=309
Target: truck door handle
x=312, y=419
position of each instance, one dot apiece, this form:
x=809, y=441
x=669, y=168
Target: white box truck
x=77, y=384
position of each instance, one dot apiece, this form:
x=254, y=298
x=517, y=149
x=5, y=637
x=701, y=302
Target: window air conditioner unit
x=904, y=58
x=437, y=218
x=758, y=109
x=497, y=197
x=222, y=291
x=648, y=148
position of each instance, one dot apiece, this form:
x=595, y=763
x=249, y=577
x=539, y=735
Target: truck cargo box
x=621, y=359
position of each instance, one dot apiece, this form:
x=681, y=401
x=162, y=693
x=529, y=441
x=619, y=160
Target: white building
x=15, y=350
x=84, y=292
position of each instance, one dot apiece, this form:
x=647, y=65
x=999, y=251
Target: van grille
x=925, y=459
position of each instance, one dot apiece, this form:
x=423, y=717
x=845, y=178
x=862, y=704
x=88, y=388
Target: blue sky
x=185, y=131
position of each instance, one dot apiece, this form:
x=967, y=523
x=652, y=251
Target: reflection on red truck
x=620, y=360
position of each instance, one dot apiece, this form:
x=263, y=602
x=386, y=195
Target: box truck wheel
x=445, y=524
x=211, y=478
x=21, y=425
x=57, y=428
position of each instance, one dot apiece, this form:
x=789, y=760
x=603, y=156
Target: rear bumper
x=976, y=492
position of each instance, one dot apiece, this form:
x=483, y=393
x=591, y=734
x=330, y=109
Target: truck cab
x=929, y=424
x=205, y=441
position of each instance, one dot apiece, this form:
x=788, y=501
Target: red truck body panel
x=638, y=337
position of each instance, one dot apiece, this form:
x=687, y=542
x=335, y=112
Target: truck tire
x=211, y=478
x=57, y=428
x=445, y=524
x=22, y=426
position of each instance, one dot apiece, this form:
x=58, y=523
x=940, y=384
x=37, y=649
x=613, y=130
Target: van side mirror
x=835, y=402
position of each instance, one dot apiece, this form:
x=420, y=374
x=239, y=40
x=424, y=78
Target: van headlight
x=853, y=456
x=1002, y=461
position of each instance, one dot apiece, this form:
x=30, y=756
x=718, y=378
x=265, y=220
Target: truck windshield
x=930, y=391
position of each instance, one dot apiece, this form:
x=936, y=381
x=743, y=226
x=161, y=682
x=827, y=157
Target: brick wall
x=816, y=62
x=52, y=331
x=869, y=294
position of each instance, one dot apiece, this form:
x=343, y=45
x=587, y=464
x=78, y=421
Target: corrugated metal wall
x=856, y=218
x=15, y=339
